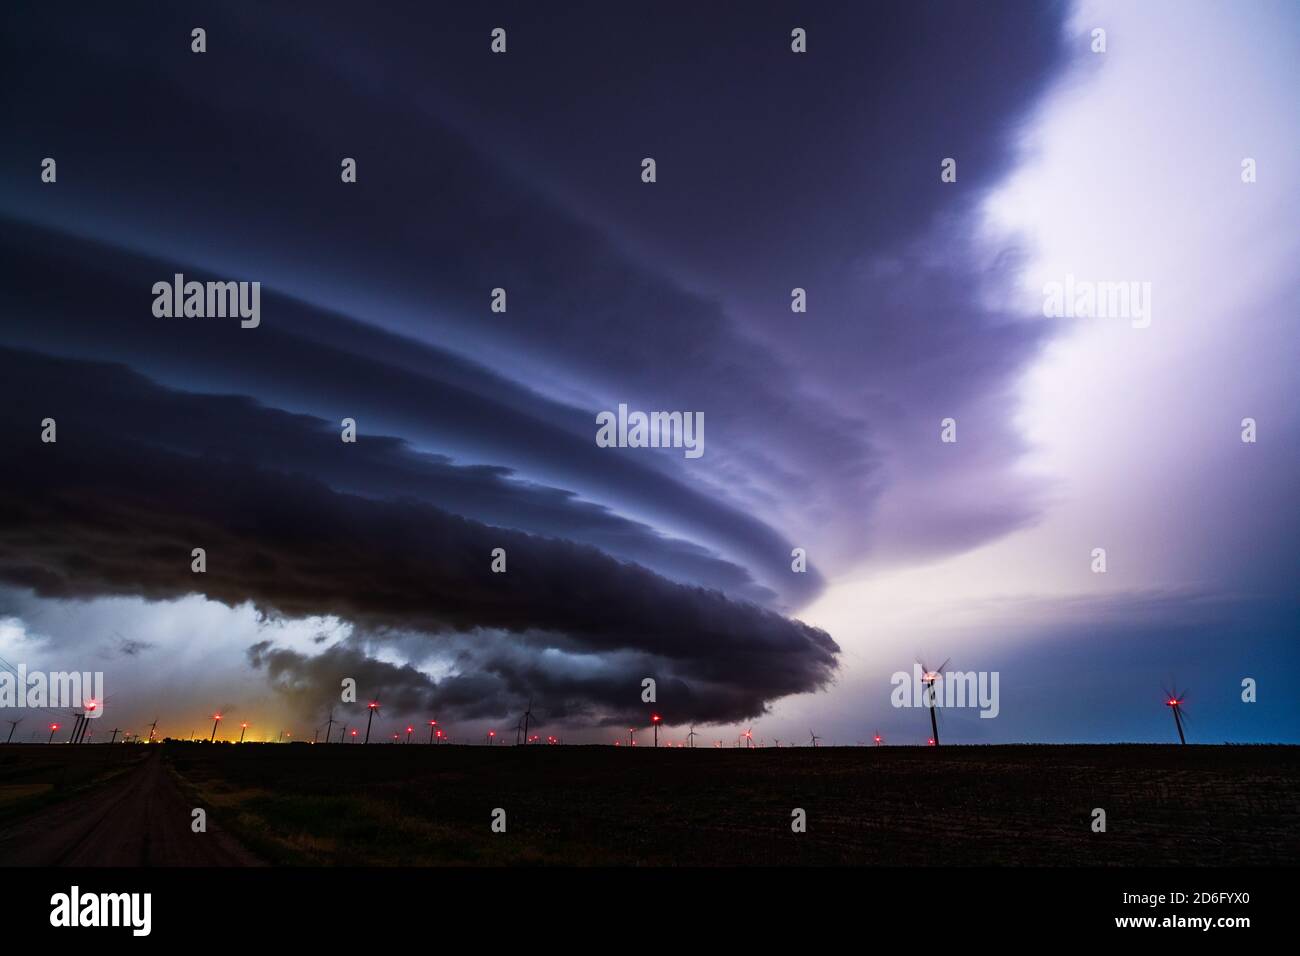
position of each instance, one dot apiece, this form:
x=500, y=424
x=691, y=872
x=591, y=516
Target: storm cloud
x=476, y=428
x=102, y=513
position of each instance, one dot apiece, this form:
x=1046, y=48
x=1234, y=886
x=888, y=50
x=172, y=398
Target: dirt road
x=138, y=819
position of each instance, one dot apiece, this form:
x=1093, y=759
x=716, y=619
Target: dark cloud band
x=99, y=512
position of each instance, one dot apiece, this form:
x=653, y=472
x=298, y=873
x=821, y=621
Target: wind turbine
x=519, y=729
x=216, y=719
x=928, y=677
x=373, y=705
x=151, y=729
x=1174, y=702
x=329, y=726
x=654, y=719
x=813, y=738
x=243, y=729
x=528, y=715
x=13, y=724
x=749, y=738
x=878, y=740
x=690, y=738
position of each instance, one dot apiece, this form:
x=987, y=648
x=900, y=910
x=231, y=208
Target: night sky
x=476, y=429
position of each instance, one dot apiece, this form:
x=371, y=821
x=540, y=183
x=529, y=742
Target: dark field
x=386, y=804
x=34, y=776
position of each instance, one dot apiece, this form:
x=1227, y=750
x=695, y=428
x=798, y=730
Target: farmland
x=1019, y=805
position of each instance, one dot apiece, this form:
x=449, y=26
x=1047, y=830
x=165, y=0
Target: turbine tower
x=928, y=677
x=373, y=705
x=528, y=715
x=1174, y=701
